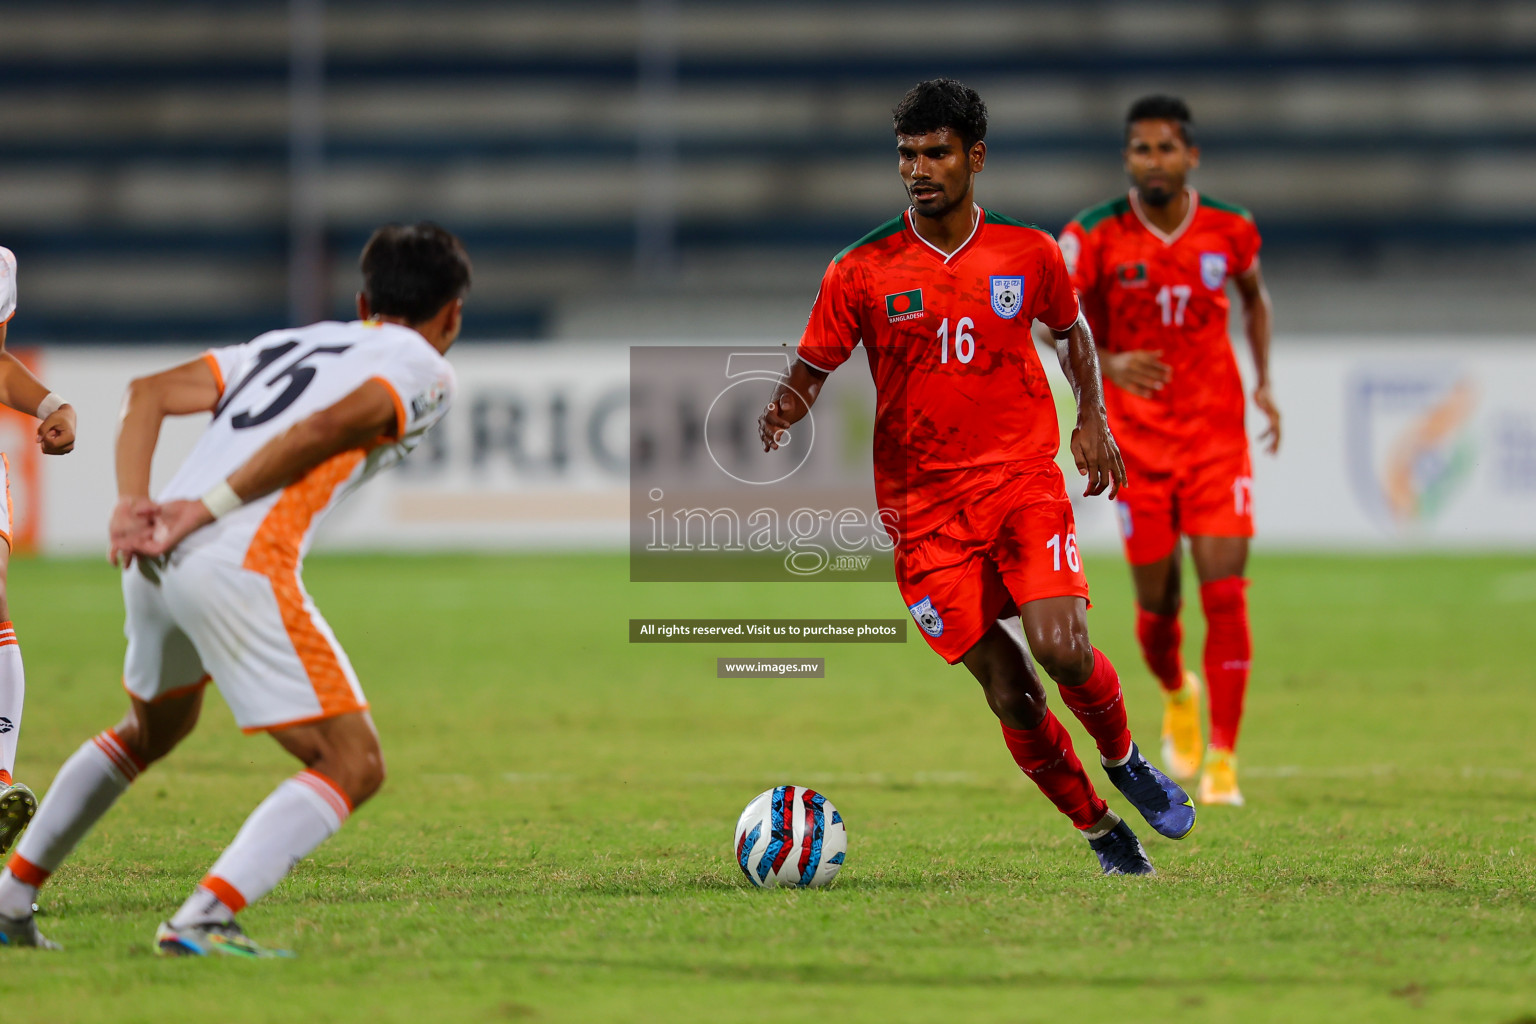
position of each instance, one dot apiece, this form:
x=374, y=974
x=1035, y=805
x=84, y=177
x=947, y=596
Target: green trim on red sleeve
x=885, y=230
x=1094, y=215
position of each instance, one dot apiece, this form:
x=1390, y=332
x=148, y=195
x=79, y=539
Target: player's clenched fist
x=56, y=434
x=1096, y=454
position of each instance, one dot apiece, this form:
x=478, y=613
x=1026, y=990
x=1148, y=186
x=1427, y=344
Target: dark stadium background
x=669, y=170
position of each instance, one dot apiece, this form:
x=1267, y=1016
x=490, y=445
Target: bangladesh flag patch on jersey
x=1131, y=275
x=904, y=305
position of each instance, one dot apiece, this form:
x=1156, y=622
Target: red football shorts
x=1007, y=548
x=1208, y=497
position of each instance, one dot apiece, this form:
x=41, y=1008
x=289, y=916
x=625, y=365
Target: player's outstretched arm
x=179, y=391
x=792, y=398
x=357, y=421
x=1257, y=311
x=1093, y=446
x=22, y=391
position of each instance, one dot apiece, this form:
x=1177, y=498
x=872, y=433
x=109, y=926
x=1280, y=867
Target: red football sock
x=1228, y=655
x=1045, y=754
x=1161, y=637
x=1100, y=706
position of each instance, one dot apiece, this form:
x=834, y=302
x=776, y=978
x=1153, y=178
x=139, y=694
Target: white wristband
x=49, y=405
x=221, y=499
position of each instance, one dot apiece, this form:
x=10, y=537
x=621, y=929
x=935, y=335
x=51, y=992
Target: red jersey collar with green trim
x=1167, y=238
x=946, y=257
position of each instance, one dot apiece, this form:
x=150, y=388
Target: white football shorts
x=261, y=639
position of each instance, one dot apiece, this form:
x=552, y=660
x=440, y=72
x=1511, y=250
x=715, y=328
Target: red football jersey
x=961, y=393
x=1143, y=289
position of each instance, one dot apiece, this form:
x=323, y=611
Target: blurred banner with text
x=1417, y=445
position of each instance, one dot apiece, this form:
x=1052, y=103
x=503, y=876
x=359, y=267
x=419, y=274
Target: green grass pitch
x=553, y=842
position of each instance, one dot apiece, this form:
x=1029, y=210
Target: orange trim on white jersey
x=252, y=730
x=400, y=417
x=180, y=691
x=218, y=374
x=274, y=552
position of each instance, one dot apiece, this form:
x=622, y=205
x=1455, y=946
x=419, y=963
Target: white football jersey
x=7, y=284
x=282, y=377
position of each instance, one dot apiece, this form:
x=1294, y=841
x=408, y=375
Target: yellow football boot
x=1218, y=783
x=1182, y=745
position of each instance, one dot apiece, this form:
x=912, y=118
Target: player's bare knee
x=151, y=731
x=1012, y=691
x=1165, y=601
x=141, y=741
x=360, y=775
x=1018, y=705
x=371, y=775
x=357, y=768
x=1066, y=657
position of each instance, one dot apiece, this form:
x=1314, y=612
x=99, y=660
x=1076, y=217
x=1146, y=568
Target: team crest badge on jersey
x=926, y=617
x=904, y=305
x=1213, y=269
x=1007, y=296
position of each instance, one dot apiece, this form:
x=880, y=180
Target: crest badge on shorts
x=1007, y=299
x=1213, y=269
x=926, y=617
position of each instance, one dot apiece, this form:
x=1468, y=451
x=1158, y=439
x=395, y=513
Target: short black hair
x=938, y=104
x=1161, y=108
x=413, y=270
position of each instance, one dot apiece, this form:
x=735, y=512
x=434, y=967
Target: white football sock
x=302, y=813
x=86, y=787
x=1103, y=827
x=1107, y=763
x=13, y=691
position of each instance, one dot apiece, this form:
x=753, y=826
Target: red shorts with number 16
x=1009, y=547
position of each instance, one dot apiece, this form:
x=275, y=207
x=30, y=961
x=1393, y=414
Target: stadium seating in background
x=143, y=182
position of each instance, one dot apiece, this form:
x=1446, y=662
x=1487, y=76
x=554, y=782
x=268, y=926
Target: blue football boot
x=1160, y=800
x=1120, y=852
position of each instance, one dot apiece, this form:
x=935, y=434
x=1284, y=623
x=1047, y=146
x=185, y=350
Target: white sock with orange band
x=302, y=813
x=86, y=788
x=13, y=693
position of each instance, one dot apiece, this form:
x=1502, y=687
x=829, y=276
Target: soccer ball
x=792, y=836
